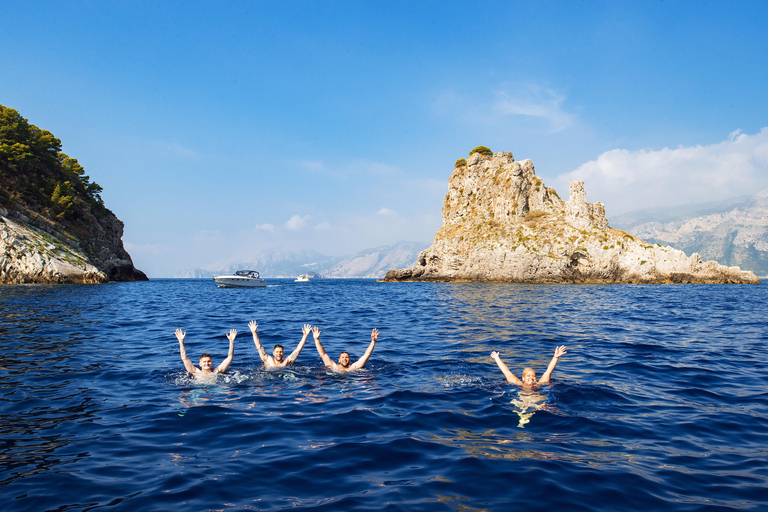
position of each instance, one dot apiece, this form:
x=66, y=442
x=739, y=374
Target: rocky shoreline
x=33, y=249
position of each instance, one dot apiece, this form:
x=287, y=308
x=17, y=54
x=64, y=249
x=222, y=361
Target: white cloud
x=269, y=228
x=323, y=226
x=534, y=101
x=510, y=100
x=297, y=222
x=388, y=212
x=312, y=165
x=630, y=180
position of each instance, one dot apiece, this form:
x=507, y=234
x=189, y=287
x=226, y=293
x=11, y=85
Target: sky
x=222, y=129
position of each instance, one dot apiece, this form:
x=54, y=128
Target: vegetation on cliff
x=55, y=213
x=35, y=173
x=483, y=150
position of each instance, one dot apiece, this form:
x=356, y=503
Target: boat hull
x=239, y=282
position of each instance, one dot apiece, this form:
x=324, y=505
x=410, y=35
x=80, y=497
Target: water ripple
x=661, y=397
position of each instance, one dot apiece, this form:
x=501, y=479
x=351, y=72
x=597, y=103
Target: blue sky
x=222, y=129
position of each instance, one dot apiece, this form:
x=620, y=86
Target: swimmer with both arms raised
x=529, y=375
x=344, y=365
x=276, y=360
x=206, y=363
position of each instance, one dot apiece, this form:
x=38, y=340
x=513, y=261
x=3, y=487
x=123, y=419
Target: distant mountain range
x=371, y=263
x=732, y=232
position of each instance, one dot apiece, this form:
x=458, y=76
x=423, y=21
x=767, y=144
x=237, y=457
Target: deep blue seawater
x=661, y=402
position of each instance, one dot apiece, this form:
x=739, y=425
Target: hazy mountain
x=732, y=232
x=368, y=263
x=376, y=262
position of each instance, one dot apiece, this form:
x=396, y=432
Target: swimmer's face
x=278, y=354
x=206, y=363
x=344, y=360
x=529, y=377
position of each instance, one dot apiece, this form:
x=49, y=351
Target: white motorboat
x=240, y=279
x=303, y=278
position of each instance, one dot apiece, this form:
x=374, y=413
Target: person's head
x=529, y=377
x=278, y=353
x=206, y=363
x=344, y=359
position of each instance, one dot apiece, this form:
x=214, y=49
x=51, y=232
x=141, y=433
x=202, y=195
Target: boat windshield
x=247, y=273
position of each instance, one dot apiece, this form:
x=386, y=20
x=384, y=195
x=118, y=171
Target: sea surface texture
x=661, y=402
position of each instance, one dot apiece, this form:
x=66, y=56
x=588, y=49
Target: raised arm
x=262, y=353
x=320, y=350
x=505, y=369
x=180, y=335
x=305, y=331
x=361, y=362
x=225, y=364
x=559, y=352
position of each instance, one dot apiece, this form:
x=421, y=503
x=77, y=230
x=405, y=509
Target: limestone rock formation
x=34, y=249
x=54, y=226
x=731, y=232
x=501, y=223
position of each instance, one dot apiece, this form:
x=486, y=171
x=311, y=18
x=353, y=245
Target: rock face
x=33, y=249
x=54, y=226
x=733, y=232
x=501, y=223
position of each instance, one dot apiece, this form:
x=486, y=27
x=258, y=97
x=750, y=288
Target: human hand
x=306, y=329
x=494, y=355
x=252, y=325
x=180, y=335
x=560, y=351
x=316, y=333
x=374, y=335
x=232, y=334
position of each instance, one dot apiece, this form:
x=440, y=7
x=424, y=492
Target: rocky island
x=54, y=227
x=501, y=223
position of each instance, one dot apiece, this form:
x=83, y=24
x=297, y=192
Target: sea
x=660, y=403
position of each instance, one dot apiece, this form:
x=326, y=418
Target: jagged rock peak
x=501, y=223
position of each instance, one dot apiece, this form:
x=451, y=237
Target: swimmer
x=276, y=359
x=529, y=375
x=344, y=362
x=206, y=363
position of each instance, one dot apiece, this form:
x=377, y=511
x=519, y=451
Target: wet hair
x=527, y=370
x=205, y=355
x=345, y=353
x=278, y=345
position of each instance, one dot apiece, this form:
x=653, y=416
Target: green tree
x=24, y=143
x=35, y=170
x=63, y=199
x=483, y=150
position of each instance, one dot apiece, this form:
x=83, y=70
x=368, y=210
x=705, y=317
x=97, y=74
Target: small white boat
x=303, y=278
x=240, y=279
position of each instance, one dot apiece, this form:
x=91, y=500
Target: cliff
x=54, y=227
x=733, y=232
x=501, y=223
